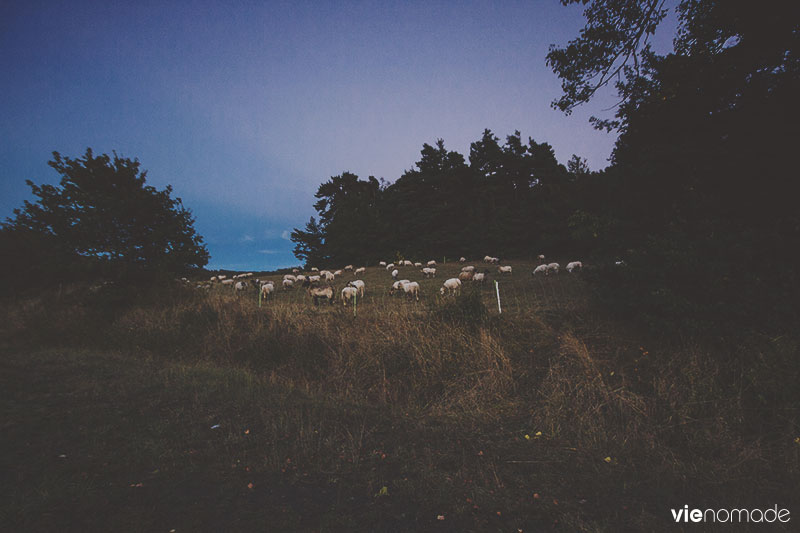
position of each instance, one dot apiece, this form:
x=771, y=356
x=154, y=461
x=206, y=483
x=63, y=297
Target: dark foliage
x=101, y=220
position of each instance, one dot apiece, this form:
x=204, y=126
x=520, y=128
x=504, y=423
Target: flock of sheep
x=319, y=283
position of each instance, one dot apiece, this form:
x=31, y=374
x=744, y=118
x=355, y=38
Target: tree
x=703, y=168
x=309, y=243
x=103, y=217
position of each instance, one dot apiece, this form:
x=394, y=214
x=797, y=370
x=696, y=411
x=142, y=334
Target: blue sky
x=246, y=107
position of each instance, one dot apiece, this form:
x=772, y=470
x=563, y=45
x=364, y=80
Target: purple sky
x=246, y=107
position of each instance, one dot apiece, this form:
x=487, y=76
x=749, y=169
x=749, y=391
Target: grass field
x=168, y=408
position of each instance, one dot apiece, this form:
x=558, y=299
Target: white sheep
x=397, y=285
x=227, y=282
x=395, y=272
x=314, y=279
x=288, y=284
x=431, y=263
x=300, y=278
x=620, y=263
x=349, y=267
x=240, y=286
x=267, y=289
x=462, y=260
x=328, y=276
x=295, y=271
x=574, y=265
x=290, y=276
x=359, y=285
x=417, y=264
x=390, y=266
x=360, y=270
x=411, y=289
x=541, y=257
x=213, y=279
x=337, y=273
x=541, y=269
x=479, y=277
x=348, y=293
x=487, y=258
x=382, y=263
x=314, y=269
x=222, y=276
x=553, y=267
x=429, y=272
x=451, y=285
x=504, y=269
x=407, y=263
x=465, y=276
x=469, y=268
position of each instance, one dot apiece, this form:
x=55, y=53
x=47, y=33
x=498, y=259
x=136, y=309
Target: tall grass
x=549, y=396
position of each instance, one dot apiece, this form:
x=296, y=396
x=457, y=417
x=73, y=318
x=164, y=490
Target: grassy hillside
x=171, y=408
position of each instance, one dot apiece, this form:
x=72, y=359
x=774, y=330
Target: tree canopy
x=103, y=217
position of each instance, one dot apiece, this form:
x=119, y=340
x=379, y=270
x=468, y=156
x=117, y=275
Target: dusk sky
x=246, y=107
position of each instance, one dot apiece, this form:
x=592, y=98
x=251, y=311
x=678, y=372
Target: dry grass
x=456, y=409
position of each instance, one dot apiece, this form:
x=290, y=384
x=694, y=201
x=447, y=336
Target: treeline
x=510, y=199
x=700, y=199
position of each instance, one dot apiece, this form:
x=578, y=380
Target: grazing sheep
x=318, y=293
x=411, y=289
x=395, y=272
x=349, y=267
x=240, y=286
x=541, y=257
x=314, y=279
x=288, y=284
x=487, y=258
x=348, y=293
x=390, y=266
x=382, y=263
x=552, y=267
x=360, y=270
x=574, y=265
x=479, y=277
x=465, y=276
x=431, y=263
x=314, y=269
x=418, y=264
x=295, y=271
x=407, y=263
x=227, y=282
x=222, y=276
x=328, y=276
x=300, y=278
x=504, y=269
x=360, y=285
x=397, y=285
x=462, y=260
x=290, y=276
x=451, y=285
x=541, y=269
x=213, y=279
x=495, y=260
x=337, y=273
x=469, y=268
x=429, y=272
x=267, y=289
